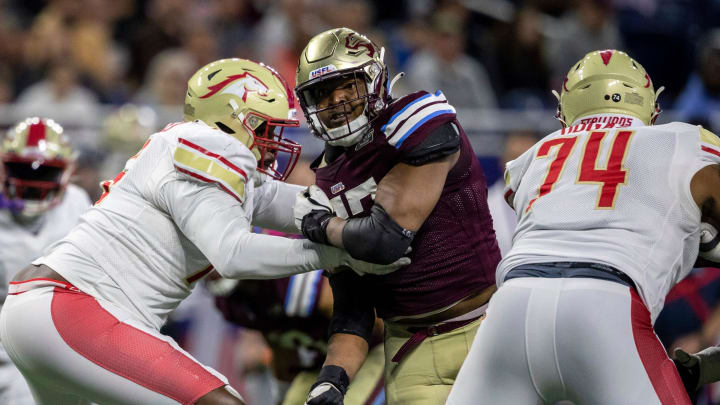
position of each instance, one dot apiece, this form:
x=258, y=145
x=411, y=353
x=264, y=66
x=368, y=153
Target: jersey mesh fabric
x=651, y=231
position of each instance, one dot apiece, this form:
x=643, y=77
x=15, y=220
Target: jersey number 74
x=608, y=177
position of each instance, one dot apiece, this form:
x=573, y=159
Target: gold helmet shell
x=339, y=52
x=251, y=102
x=37, y=161
x=607, y=82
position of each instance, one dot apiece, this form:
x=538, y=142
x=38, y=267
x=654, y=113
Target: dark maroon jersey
x=455, y=252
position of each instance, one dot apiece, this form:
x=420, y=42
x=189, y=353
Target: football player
x=37, y=208
x=82, y=323
x=293, y=315
x=396, y=173
x=609, y=209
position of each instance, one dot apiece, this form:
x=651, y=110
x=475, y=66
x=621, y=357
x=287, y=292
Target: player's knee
x=220, y=396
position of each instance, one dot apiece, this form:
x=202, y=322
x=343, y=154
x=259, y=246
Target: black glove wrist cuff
x=314, y=225
x=334, y=375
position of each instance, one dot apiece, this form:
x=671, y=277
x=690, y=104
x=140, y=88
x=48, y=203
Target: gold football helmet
x=251, y=102
x=37, y=162
x=607, y=81
x=331, y=56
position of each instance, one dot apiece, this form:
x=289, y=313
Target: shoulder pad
x=440, y=142
x=413, y=114
x=211, y=156
x=709, y=142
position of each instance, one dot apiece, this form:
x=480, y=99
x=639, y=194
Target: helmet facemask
x=32, y=186
x=345, y=122
x=269, y=142
x=36, y=165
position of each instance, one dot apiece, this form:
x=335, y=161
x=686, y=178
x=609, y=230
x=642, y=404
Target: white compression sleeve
x=273, y=206
x=217, y=224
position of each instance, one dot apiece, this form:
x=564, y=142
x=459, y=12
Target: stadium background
x=114, y=71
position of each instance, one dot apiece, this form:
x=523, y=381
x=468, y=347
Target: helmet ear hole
x=224, y=128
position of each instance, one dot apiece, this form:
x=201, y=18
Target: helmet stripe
x=36, y=133
x=606, y=55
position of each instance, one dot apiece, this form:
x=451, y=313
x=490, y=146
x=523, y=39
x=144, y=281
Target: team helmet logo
x=354, y=43
x=323, y=70
x=239, y=85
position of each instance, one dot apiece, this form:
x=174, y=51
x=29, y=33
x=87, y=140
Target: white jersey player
x=82, y=324
x=609, y=211
x=37, y=208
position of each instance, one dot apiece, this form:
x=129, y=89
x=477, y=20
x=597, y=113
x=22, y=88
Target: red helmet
x=37, y=161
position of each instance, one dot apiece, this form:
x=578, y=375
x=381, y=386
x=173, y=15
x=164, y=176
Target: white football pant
x=583, y=340
x=75, y=349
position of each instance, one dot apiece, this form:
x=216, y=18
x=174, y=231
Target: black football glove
x=330, y=387
x=688, y=366
x=314, y=225
x=313, y=212
x=699, y=368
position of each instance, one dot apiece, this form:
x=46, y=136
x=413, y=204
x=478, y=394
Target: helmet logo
x=648, y=81
x=357, y=43
x=606, y=55
x=239, y=85
x=323, y=70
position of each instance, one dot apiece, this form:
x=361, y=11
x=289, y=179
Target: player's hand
x=698, y=369
x=361, y=268
x=325, y=394
x=688, y=366
x=313, y=212
x=330, y=387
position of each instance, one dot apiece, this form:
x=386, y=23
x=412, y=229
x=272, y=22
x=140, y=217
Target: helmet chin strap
x=342, y=131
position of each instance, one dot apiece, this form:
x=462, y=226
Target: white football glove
x=325, y=394
x=709, y=246
x=221, y=287
x=312, y=198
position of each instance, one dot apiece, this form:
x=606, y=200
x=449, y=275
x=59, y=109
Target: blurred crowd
x=68, y=56
x=71, y=59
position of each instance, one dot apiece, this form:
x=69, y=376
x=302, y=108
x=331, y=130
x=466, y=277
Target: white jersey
x=183, y=206
x=618, y=196
x=21, y=244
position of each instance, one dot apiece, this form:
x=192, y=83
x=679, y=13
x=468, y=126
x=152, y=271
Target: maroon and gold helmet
x=37, y=161
x=335, y=54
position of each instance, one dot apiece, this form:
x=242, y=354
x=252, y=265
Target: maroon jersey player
x=396, y=173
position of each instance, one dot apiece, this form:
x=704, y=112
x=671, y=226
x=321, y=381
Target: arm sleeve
x=353, y=312
x=215, y=222
x=273, y=206
x=442, y=141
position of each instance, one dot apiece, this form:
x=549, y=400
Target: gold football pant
x=366, y=387
x=426, y=373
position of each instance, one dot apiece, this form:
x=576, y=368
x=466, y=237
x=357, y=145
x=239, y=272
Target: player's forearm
x=274, y=206
x=346, y=351
x=259, y=256
x=334, y=232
